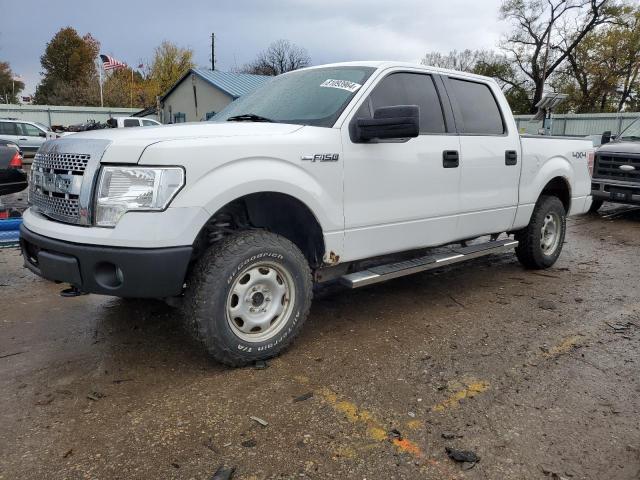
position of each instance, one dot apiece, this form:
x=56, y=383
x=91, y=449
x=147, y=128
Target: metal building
x=201, y=93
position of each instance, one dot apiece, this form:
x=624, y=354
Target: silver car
x=27, y=135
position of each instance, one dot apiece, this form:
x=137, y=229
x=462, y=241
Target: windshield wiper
x=249, y=117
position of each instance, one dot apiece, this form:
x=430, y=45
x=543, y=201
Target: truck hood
x=621, y=147
x=126, y=145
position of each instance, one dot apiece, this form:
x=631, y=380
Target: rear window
x=480, y=112
x=8, y=128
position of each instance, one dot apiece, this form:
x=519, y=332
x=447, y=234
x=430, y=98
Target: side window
x=130, y=122
x=30, y=130
x=408, y=89
x=480, y=112
x=8, y=128
x=148, y=123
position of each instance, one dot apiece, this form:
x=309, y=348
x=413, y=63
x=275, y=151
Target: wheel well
x=275, y=212
x=559, y=187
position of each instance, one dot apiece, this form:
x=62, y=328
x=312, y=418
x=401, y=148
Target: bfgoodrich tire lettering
x=540, y=243
x=217, y=278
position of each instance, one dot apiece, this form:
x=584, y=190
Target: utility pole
x=213, y=51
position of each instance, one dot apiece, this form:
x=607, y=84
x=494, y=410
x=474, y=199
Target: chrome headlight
x=124, y=189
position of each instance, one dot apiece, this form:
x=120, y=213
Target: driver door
x=402, y=194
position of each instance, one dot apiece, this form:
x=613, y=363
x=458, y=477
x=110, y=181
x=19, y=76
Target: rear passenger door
x=400, y=194
x=489, y=157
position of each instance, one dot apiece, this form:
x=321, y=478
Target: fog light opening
x=108, y=275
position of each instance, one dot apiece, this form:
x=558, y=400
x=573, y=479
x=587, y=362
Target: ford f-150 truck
x=346, y=172
x=616, y=176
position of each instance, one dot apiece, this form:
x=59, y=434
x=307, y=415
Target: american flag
x=110, y=63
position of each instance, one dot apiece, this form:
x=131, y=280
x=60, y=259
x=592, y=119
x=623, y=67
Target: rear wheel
x=595, y=205
x=248, y=297
x=540, y=243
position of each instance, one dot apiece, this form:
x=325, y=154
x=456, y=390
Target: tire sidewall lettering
x=253, y=258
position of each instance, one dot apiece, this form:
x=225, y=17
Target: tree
x=117, y=89
x=487, y=63
x=69, y=69
x=538, y=43
x=10, y=88
x=280, y=57
x=464, y=61
x=169, y=63
x=601, y=74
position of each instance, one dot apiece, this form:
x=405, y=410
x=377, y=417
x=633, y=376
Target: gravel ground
x=535, y=372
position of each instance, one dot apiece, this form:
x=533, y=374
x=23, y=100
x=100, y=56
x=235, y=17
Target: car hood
x=621, y=147
x=126, y=145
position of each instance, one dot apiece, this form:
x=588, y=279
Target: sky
x=330, y=30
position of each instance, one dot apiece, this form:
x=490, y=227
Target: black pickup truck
x=616, y=172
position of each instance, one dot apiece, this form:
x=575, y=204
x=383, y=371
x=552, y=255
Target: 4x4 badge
x=321, y=157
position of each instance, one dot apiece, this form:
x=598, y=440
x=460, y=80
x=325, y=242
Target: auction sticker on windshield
x=341, y=84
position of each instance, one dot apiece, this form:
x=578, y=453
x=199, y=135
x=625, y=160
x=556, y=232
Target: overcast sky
x=330, y=30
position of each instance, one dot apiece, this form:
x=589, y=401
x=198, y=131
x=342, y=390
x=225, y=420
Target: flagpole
x=131, y=105
x=100, y=81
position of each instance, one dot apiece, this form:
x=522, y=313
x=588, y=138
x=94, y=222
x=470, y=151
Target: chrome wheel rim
x=550, y=233
x=260, y=302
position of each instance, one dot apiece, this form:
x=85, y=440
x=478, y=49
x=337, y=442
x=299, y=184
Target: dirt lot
x=538, y=373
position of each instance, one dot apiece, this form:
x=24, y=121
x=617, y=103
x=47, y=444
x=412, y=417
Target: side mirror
x=399, y=121
x=606, y=137
x=42, y=134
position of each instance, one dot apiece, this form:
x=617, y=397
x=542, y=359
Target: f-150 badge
x=321, y=157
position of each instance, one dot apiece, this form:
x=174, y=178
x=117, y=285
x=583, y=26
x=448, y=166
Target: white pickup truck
x=346, y=172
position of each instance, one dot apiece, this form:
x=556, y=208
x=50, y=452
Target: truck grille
x=60, y=208
x=56, y=179
x=62, y=162
x=608, y=166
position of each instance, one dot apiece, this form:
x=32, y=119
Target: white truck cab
x=127, y=122
x=347, y=172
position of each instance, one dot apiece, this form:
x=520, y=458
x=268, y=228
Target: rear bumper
x=613, y=191
x=118, y=271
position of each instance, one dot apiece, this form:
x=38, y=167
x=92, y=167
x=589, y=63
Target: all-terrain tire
x=530, y=251
x=217, y=273
x=595, y=205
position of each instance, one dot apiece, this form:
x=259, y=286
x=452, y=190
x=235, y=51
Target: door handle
x=450, y=159
x=510, y=157
x=23, y=139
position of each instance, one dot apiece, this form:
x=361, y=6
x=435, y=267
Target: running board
x=429, y=262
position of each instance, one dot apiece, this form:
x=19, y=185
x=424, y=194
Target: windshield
x=307, y=97
x=632, y=132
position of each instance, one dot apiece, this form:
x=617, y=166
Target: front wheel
x=248, y=297
x=540, y=243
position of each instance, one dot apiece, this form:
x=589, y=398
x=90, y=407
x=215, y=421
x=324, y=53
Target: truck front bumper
x=106, y=270
x=615, y=191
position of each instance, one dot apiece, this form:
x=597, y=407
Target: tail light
x=16, y=161
x=591, y=156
